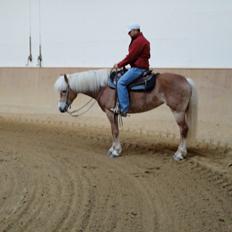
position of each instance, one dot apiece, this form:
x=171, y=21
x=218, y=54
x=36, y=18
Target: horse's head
x=67, y=95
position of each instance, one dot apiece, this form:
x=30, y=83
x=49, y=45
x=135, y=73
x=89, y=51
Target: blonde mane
x=84, y=81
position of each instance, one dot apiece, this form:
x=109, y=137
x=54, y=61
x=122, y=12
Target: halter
x=67, y=95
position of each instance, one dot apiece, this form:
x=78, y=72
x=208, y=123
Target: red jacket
x=139, y=53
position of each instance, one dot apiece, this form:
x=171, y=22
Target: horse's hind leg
x=116, y=148
x=181, y=121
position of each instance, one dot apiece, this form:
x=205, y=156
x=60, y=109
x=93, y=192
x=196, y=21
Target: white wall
x=183, y=33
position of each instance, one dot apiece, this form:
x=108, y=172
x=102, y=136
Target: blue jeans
x=123, y=97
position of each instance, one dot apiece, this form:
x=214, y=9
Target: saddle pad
x=145, y=83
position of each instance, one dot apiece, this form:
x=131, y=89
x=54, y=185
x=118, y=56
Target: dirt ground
x=55, y=174
x=57, y=177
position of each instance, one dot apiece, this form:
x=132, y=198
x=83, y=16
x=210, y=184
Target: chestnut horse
x=176, y=91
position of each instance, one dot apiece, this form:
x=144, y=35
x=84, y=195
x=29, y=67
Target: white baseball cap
x=134, y=26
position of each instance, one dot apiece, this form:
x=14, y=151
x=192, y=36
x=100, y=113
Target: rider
x=138, y=56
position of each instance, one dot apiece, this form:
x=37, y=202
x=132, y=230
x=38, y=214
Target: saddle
x=146, y=82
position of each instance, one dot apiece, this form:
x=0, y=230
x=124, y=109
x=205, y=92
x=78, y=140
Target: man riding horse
x=138, y=58
x=176, y=91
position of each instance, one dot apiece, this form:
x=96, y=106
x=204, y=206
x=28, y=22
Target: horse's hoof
x=184, y=154
x=113, y=157
x=114, y=154
x=109, y=152
x=178, y=157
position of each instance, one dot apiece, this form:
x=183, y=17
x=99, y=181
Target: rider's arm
x=135, y=51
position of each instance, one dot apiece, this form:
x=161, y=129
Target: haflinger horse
x=176, y=91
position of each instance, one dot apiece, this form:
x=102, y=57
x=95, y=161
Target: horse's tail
x=192, y=111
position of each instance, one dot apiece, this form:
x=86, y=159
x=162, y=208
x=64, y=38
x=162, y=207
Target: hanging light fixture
x=40, y=58
x=30, y=58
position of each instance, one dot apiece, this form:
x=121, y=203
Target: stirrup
x=117, y=111
x=123, y=114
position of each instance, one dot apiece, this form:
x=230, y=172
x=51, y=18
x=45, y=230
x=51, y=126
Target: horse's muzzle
x=63, y=107
x=62, y=110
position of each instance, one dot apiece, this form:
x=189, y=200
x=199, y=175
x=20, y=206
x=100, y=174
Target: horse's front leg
x=116, y=148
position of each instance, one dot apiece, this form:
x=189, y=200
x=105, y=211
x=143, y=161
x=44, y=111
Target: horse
x=176, y=91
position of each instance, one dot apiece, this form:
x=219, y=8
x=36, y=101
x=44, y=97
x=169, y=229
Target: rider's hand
x=115, y=66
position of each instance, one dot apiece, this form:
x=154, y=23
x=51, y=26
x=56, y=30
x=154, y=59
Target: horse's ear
x=66, y=78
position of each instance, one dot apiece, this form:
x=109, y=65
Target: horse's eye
x=64, y=91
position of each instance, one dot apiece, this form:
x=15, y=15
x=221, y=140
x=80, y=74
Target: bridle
x=65, y=99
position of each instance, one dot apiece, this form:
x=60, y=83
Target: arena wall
x=30, y=91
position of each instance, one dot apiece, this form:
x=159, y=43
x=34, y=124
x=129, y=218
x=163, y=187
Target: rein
x=91, y=103
x=75, y=113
